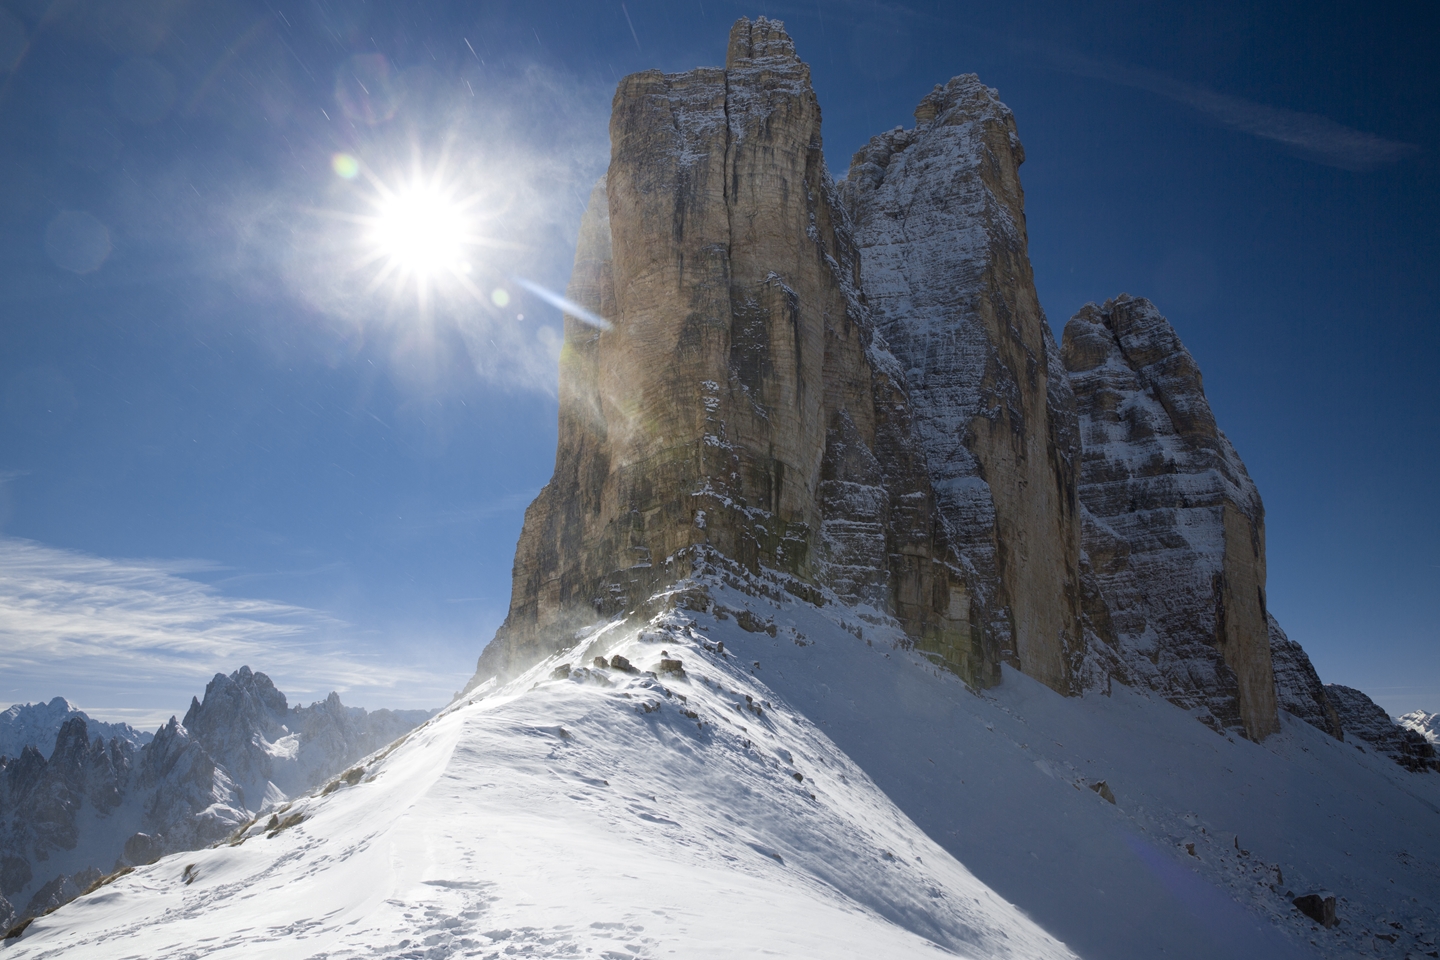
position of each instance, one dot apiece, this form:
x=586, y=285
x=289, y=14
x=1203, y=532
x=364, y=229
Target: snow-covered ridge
x=577, y=809
x=797, y=781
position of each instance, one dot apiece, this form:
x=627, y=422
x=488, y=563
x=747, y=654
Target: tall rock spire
x=1174, y=527
x=940, y=221
x=740, y=404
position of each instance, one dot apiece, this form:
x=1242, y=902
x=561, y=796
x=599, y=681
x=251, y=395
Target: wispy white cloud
x=108, y=633
x=1310, y=135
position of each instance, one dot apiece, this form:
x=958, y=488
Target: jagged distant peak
x=36, y=725
x=1425, y=724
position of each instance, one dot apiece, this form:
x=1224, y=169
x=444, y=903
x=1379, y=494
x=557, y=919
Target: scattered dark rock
x=1319, y=908
x=799, y=777
x=561, y=672
x=671, y=667
x=1103, y=788
x=19, y=928
x=190, y=874
x=143, y=848
x=753, y=624
x=1190, y=849
x=602, y=664
x=618, y=662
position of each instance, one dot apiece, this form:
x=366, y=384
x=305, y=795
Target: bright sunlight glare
x=420, y=230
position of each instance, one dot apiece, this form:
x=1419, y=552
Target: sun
x=421, y=231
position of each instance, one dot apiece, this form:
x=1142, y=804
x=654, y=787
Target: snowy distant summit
x=89, y=804
x=1425, y=724
x=36, y=725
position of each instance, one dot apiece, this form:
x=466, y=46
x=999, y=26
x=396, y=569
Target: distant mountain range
x=80, y=799
x=36, y=725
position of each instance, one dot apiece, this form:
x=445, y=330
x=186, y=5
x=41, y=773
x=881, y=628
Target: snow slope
x=553, y=817
x=606, y=813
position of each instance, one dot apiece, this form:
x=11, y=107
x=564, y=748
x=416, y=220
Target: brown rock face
x=939, y=218
x=740, y=404
x=1174, y=528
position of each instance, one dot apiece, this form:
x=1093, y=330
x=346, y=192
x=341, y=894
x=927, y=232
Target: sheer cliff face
x=939, y=219
x=1174, y=528
x=853, y=385
x=740, y=401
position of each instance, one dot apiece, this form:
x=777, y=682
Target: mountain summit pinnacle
x=850, y=391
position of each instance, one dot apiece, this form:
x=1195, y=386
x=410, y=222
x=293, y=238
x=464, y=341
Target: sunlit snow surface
x=573, y=819
x=568, y=818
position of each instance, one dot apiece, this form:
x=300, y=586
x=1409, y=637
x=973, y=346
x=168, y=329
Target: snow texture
x=1425, y=724
x=37, y=724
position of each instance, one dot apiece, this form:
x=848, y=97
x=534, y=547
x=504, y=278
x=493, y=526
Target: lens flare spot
x=421, y=230
x=345, y=165
x=501, y=297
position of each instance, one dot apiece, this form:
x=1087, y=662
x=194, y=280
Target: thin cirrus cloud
x=135, y=639
x=1310, y=135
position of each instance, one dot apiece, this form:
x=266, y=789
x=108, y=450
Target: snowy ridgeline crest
x=37, y=724
x=852, y=384
x=748, y=772
x=88, y=805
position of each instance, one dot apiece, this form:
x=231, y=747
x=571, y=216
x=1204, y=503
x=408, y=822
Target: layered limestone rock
x=739, y=404
x=1366, y=721
x=1174, y=529
x=940, y=222
x=1298, y=689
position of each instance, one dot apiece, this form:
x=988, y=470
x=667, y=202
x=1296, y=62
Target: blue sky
x=219, y=445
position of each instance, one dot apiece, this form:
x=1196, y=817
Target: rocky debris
x=740, y=406
x=1425, y=724
x=940, y=223
x=1318, y=907
x=671, y=668
x=561, y=672
x=1365, y=720
x=1298, y=689
x=618, y=662
x=239, y=751
x=37, y=724
x=1174, y=530
x=601, y=663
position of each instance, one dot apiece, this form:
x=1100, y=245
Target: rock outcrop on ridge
x=1298, y=690
x=851, y=388
x=741, y=405
x=1173, y=526
x=1366, y=721
x=95, y=804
